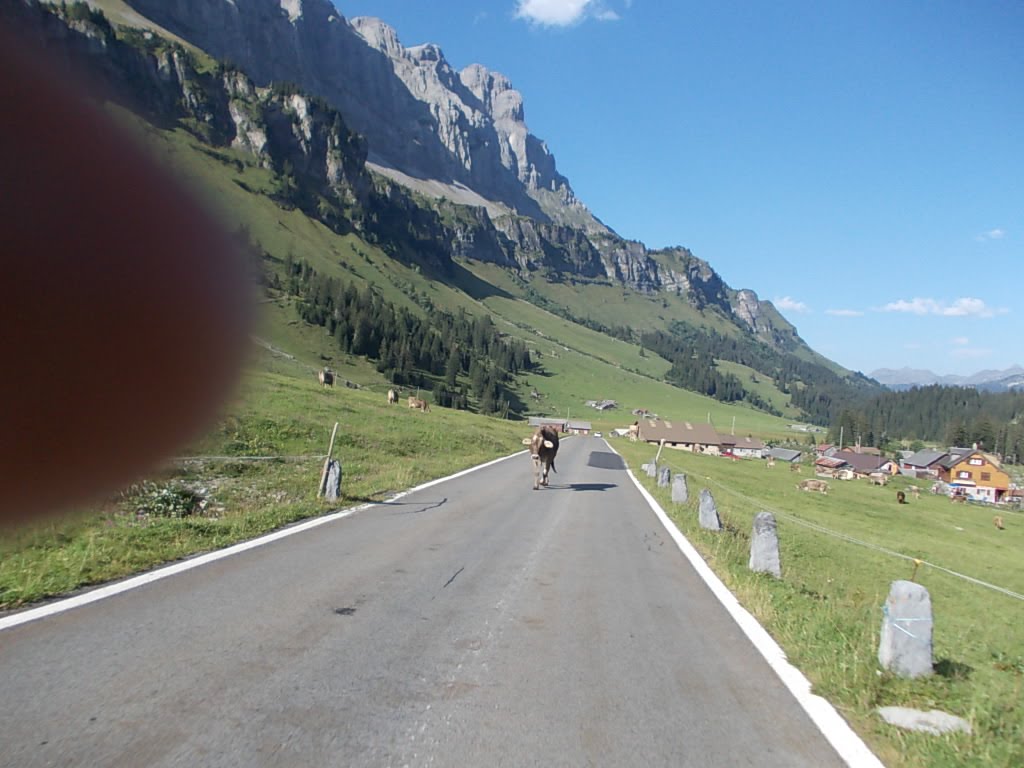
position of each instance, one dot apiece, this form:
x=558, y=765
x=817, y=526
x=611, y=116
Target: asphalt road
x=473, y=623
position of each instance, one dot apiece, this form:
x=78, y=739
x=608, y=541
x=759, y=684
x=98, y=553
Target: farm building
x=696, y=438
x=784, y=454
x=922, y=464
x=541, y=421
x=743, y=447
x=577, y=427
x=827, y=466
x=977, y=474
x=863, y=464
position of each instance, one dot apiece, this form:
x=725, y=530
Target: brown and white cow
x=326, y=377
x=813, y=485
x=392, y=397
x=543, y=449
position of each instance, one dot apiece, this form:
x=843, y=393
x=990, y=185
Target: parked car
x=598, y=434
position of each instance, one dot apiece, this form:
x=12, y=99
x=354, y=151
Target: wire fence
x=851, y=539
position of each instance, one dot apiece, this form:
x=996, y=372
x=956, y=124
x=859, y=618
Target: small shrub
x=168, y=501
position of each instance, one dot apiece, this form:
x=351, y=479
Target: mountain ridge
x=433, y=129
x=317, y=164
x=988, y=379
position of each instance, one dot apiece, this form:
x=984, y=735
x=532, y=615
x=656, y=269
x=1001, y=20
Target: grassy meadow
x=839, y=556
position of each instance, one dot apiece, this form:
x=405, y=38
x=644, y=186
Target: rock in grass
x=680, y=493
x=764, y=545
x=664, y=476
x=652, y=469
x=934, y=721
x=905, y=646
x=709, y=512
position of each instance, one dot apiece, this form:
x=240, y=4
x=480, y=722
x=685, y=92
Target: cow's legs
x=536, y=472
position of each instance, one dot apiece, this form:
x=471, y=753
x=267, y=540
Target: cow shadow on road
x=583, y=487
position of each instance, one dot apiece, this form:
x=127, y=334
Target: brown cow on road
x=543, y=449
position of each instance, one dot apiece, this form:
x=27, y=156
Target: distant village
x=967, y=474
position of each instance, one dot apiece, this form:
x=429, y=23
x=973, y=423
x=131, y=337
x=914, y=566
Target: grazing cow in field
x=901, y=497
x=419, y=404
x=878, y=478
x=543, y=449
x=916, y=491
x=392, y=397
x=413, y=401
x=997, y=521
x=326, y=377
x=634, y=431
x=813, y=485
x=770, y=463
x=794, y=467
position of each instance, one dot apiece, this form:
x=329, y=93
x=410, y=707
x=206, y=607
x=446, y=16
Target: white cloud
x=790, y=305
x=992, y=234
x=552, y=13
x=844, y=312
x=962, y=307
x=607, y=15
x=970, y=353
x=960, y=341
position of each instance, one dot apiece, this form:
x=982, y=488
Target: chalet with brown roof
x=977, y=473
x=862, y=464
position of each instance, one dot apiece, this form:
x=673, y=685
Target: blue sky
x=860, y=164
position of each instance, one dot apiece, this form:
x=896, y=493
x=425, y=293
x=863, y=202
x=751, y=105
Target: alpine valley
x=410, y=231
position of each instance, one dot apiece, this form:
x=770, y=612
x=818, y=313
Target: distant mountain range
x=988, y=380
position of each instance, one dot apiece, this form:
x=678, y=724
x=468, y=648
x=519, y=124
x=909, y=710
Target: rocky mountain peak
x=497, y=97
x=378, y=35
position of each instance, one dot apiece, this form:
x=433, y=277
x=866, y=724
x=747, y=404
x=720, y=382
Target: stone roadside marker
x=905, y=646
x=680, y=493
x=764, y=545
x=333, y=487
x=709, y=512
x=664, y=476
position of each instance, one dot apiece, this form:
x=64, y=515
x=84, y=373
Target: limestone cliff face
x=419, y=117
x=418, y=114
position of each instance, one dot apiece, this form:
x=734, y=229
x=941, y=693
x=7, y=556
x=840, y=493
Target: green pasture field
x=826, y=610
x=762, y=385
